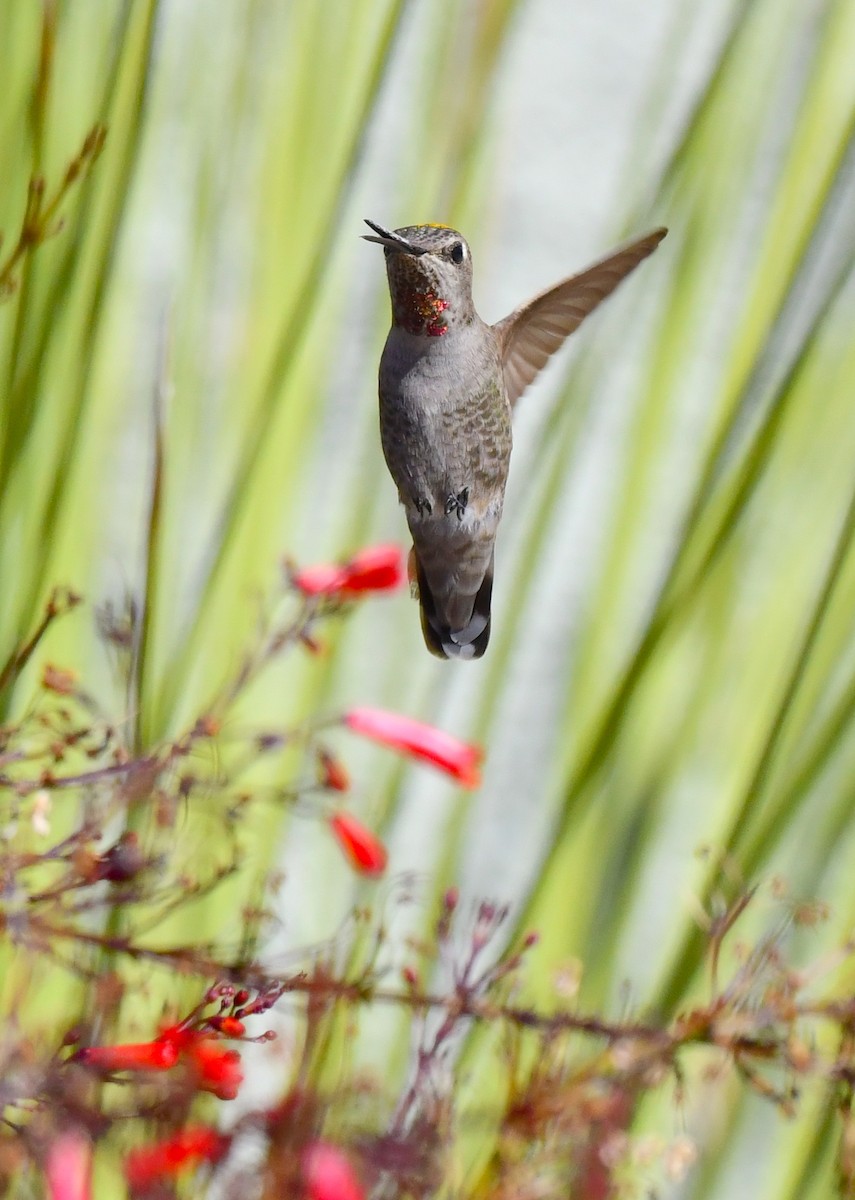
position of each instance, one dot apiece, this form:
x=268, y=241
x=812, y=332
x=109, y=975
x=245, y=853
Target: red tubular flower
x=193, y=1145
x=322, y=580
x=329, y=1175
x=68, y=1167
x=459, y=759
x=363, y=849
x=159, y=1055
x=376, y=569
x=177, y=1037
x=213, y=1068
x=217, y=1070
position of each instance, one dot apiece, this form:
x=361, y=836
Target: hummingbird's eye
x=457, y=252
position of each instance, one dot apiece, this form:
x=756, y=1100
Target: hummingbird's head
x=430, y=277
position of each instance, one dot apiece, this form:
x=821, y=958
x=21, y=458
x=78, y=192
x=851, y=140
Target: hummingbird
x=448, y=385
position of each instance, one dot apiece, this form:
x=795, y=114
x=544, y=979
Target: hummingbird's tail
x=448, y=631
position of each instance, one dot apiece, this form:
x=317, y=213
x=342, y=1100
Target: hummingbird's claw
x=457, y=504
x=388, y=237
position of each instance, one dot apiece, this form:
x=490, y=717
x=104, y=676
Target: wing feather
x=533, y=332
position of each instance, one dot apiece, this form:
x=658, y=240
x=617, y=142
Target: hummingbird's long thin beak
x=389, y=238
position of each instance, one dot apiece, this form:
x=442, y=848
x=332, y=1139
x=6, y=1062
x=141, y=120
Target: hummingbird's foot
x=457, y=504
x=422, y=505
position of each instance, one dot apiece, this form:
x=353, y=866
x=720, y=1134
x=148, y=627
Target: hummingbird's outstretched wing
x=533, y=332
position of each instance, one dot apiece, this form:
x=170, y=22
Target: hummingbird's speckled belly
x=446, y=435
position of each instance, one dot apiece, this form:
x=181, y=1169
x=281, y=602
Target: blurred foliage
x=187, y=353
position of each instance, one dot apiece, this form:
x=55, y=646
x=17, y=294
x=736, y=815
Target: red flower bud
x=231, y=1027
x=459, y=759
x=410, y=976
x=363, y=849
x=333, y=774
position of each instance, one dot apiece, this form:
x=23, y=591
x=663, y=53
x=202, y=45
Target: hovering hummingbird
x=448, y=383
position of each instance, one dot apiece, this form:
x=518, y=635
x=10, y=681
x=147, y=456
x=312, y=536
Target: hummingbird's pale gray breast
x=445, y=426
x=447, y=385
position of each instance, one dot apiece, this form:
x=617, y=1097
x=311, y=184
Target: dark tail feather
x=440, y=638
